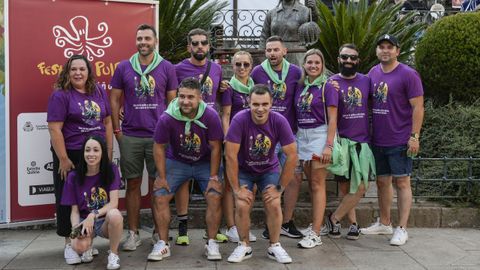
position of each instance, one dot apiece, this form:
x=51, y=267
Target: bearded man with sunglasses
x=354, y=91
x=210, y=76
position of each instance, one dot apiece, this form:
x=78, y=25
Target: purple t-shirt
x=91, y=195
x=392, y=112
x=237, y=100
x=352, y=118
x=82, y=115
x=142, y=107
x=193, y=147
x=283, y=97
x=310, y=108
x=257, y=142
x=211, y=85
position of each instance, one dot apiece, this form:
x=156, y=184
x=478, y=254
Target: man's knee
x=134, y=184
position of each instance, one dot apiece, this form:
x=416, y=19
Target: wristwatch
x=414, y=136
x=96, y=213
x=279, y=188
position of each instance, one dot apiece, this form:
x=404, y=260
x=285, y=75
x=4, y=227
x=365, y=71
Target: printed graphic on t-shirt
x=244, y=101
x=190, y=145
x=143, y=91
x=97, y=199
x=259, y=147
x=381, y=92
x=352, y=98
x=90, y=112
x=305, y=103
x=279, y=91
x=207, y=88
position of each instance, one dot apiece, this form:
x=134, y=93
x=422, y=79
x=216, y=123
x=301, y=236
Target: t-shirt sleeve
x=234, y=133
x=331, y=95
x=57, y=107
x=284, y=131
x=414, y=85
x=69, y=190
x=116, y=184
x=172, y=82
x=215, y=132
x=255, y=75
x=162, y=133
x=117, y=79
x=227, y=97
x=106, y=101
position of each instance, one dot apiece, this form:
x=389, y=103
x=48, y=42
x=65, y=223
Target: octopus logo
x=81, y=39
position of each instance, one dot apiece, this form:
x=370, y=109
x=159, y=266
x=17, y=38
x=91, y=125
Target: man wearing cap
x=397, y=119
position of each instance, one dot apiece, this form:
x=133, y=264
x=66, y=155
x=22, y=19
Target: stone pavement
x=438, y=249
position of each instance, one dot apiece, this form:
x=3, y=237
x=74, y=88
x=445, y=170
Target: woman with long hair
x=92, y=192
x=315, y=136
x=77, y=108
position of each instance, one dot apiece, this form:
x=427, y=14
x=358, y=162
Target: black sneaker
x=334, y=231
x=353, y=232
x=289, y=229
x=266, y=234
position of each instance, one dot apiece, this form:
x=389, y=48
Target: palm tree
x=177, y=18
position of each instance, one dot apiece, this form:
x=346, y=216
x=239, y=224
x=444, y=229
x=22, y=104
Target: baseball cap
x=387, y=37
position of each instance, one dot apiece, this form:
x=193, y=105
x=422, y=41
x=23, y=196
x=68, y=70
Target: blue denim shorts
x=392, y=161
x=262, y=181
x=97, y=226
x=179, y=173
x=282, y=158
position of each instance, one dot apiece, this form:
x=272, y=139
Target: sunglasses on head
x=351, y=56
x=196, y=43
x=244, y=64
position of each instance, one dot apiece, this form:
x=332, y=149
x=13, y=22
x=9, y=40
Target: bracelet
x=329, y=146
x=214, y=177
x=116, y=131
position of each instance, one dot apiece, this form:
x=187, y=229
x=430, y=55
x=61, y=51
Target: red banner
x=42, y=35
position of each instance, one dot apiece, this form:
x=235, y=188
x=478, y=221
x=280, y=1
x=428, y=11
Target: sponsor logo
x=41, y=127
x=27, y=127
x=41, y=189
x=33, y=168
x=48, y=166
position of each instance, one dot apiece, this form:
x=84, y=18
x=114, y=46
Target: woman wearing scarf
x=235, y=99
x=315, y=136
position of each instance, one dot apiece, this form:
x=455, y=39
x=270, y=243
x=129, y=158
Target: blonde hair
x=243, y=53
x=307, y=54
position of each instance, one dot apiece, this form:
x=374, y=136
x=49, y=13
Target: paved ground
x=438, y=249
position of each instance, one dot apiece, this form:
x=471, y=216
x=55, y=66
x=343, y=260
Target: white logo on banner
x=79, y=41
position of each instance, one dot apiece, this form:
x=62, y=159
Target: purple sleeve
x=172, y=83
x=414, y=85
x=255, y=74
x=227, y=97
x=215, y=131
x=117, y=79
x=331, y=95
x=106, y=100
x=57, y=107
x=116, y=184
x=284, y=131
x=234, y=133
x=69, y=190
x=162, y=134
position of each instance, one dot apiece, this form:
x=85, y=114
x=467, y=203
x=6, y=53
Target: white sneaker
x=87, y=256
x=113, y=261
x=377, y=228
x=160, y=250
x=71, y=256
x=232, y=235
x=132, y=241
x=311, y=240
x=323, y=230
x=240, y=253
x=276, y=252
x=211, y=251
x=94, y=251
x=400, y=237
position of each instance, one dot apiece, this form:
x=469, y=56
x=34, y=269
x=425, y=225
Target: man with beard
x=282, y=78
x=251, y=160
x=397, y=119
x=145, y=82
x=198, y=45
x=188, y=142
x=353, y=130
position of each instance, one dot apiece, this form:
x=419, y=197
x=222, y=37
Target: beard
x=348, y=71
x=199, y=56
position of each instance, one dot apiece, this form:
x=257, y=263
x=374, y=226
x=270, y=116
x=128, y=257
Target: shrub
x=448, y=58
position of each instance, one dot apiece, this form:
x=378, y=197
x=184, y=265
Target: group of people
x=261, y=131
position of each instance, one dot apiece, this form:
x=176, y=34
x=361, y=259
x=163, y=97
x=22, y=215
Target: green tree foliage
x=362, y=24
x=177, y=18
x=448, y=58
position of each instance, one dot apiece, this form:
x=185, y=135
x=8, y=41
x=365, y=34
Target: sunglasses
x=351, y=56
x=196, y=43
x=244, y=64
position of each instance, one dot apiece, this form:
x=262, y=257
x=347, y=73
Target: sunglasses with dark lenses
x=244, y=64
x=351, y=56
x=196, y=43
